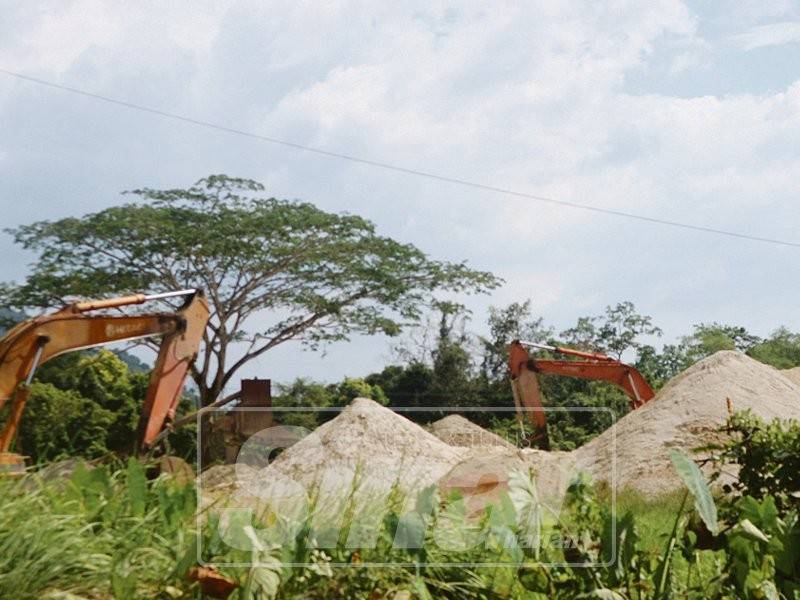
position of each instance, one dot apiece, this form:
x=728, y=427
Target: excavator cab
x=76, y=327
x=523, y=370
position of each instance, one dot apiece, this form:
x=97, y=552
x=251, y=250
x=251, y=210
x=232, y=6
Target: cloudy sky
x=686, y=111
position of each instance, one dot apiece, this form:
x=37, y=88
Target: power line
x=397, y=168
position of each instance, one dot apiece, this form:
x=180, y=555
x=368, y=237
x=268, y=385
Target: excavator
x=524, y=369
x=78, y=326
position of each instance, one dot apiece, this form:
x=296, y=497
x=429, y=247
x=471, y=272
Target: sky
x=685, y=111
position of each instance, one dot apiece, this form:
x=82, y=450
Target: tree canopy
x=315, y=276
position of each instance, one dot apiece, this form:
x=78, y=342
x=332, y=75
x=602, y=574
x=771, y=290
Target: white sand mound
x=792, y=375
x=380, y=445
x=371, y=446
x=455, y=430
x=686, y=414
x=361, y=454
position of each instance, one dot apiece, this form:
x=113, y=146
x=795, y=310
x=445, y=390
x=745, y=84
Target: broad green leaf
x=693, y=478
x=602, y=594
x=410, y=531
x=525, y=498
x=751, y=531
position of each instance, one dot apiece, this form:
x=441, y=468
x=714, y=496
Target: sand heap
x=455, y=430
x=383, y=446
x=371, y=445
x=792, y=375
x=686, y=413
x=482, y=476
x=366, y=450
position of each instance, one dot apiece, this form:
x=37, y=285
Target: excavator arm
x=177, y=353
x=32, y=343
x=523, y=370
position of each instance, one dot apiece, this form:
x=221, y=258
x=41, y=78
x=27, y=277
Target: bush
x=768, y=457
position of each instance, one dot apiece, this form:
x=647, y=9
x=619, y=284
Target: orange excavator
x=524, y=370
x=33, y=342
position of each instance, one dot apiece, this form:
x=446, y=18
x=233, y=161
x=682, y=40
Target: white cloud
x=774, y=34
x=54, y=36
x=530, y=97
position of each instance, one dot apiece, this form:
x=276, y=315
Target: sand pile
x=482, y=478
x=363, y=454
x=373, y=448
x=686, y=413
x=382, y=446
x=455, y=430
x=792, y=375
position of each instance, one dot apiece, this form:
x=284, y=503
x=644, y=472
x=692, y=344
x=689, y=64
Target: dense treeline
x=445, y=366
x=87, y=404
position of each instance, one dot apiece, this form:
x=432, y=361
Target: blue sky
x=687, y=111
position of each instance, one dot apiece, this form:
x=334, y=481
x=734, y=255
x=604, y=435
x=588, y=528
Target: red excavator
x=523, y=369
x=31, y=343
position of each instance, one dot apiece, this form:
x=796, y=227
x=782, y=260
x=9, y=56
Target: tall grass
x=111, y=533
x=100, y=534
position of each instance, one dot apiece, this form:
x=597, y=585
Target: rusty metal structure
x=524, y=369
x=31, y=343
x=226, y=431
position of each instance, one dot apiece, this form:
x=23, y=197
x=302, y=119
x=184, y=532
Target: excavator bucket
x=178, y=350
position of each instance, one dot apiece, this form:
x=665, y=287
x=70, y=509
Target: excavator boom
x=523, y=370
x=32, y=343
x=178, y=351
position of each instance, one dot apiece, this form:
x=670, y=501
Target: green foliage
x=59, y=424
x=87, y=404
x=762, y=550
x=303, y=393
x=781, y=349
x=318, y=276
x=113, y=533
x=406, y=385
x=99, y=534
x=82, y=404
x=614, y=332
x=351, y=388
x=768, y=457
x=513, y=322
x=573, y=428
x=761, y=542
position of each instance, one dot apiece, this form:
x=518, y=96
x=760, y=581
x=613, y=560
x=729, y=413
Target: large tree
x=615, y=332
x=311, y=275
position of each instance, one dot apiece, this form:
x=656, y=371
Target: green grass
x=654, y=515
x=109, y=533
x=98, y=535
